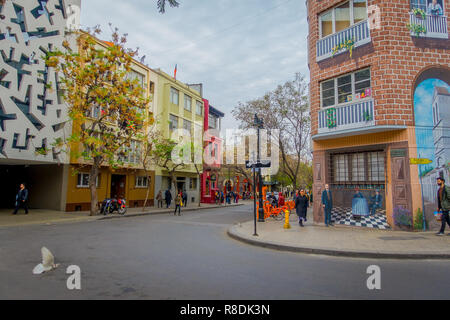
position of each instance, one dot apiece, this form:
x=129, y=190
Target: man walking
x=184, y=198
x=443, y=196
x=168, y=197
x=159, y=199
x=327, y=204
x=21, y=199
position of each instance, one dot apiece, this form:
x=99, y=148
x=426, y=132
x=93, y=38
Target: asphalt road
x=191, y=257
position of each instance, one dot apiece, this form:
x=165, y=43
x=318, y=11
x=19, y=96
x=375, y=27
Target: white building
x=32, y=115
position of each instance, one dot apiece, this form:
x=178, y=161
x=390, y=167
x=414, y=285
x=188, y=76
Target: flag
x=175, y=72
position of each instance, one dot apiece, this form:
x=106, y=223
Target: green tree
x=106, y=107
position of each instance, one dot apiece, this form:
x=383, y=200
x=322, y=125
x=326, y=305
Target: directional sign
x=261, y=164
x=420, y=161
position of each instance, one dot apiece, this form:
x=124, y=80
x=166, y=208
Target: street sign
x=420, y=161
x=261, y=164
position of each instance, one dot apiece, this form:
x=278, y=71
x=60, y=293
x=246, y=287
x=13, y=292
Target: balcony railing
x=435, y=26
x=350, y=116
x=359, y=33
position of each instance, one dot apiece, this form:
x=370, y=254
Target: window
x=419, y=4
x=359, y=167
x=174, y=95
x=131, y=154
x=346, y=88
x=199, y=108
x=142, y=182
x=187, y=125
x=173, y=122
x=83, y=180
x=133, y=75
x=193, y=183
x=340, y=168
x=342, y=17
x=328, y=95
x=187, y=102
x=376, y=166
x=358, y=172
x=212, y=121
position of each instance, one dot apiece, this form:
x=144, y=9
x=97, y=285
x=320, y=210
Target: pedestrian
x=159, y=198
x=216, y=195
x=301, y=207
x=168, y=198
x=310, y=196
x=222, y=197
x=22, y=199
x=281, y=201
x=327, y=204
x=184, y=198
x=443, y=196
x=178, y=204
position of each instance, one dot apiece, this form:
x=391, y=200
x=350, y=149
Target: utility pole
x=259, y=125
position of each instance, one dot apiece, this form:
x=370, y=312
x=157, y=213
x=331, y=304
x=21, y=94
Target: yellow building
x=178, y=106
x=128, y=181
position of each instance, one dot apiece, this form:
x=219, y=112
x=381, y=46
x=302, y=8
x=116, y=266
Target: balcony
x=358, y=32
x=435, y=26
x=353, y=115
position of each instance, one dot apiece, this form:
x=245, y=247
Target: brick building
x=367, y=60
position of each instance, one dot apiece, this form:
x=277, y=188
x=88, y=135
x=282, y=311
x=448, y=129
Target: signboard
x=398, y=153
x=420, y=161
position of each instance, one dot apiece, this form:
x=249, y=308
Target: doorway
x=118, y=183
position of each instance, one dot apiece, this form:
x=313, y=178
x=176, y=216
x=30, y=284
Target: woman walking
x=301, y=207
x=178, y=204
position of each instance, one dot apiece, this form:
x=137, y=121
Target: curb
x=129, y=215
x=232, y=233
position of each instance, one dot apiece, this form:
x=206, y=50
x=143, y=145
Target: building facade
x=127, y=181
x=178, y=106
x=373, y=67
x=210, y=178
x=32, y=113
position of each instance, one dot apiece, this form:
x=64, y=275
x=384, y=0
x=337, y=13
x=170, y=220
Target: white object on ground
x=48, y=262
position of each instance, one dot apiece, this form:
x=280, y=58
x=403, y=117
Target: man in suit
x=376, y=202
x=327, y=204
x=21, y=199
x=443, y=197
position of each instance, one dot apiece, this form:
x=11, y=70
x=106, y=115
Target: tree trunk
x=93, y=187
x=148, y=192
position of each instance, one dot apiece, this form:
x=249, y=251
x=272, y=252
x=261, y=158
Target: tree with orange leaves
x=106, y=107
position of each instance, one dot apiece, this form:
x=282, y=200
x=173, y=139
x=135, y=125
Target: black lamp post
x=259, y=125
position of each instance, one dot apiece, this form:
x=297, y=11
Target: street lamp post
x=259, y=125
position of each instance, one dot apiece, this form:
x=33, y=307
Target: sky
x=423, y=98
x=238, y=49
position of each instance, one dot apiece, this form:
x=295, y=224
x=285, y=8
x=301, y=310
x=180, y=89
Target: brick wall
x=395, y=57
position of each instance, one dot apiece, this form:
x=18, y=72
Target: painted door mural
x=432, y=119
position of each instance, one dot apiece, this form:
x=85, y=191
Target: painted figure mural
x=432, y=118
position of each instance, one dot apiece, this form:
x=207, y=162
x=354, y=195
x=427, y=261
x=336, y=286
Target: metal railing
x=349, y=116
x=435, y=26
x=358, y=32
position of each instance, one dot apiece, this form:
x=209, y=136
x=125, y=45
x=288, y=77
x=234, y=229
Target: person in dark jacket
x=443, y=196
x=301, y=206
x=168, y=197
x=327, y=204
x=184, y=197
x=22, y=199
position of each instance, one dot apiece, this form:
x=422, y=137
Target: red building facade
x=212, y=158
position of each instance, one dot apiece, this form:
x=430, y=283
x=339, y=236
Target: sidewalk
x=40, y=216
x=343, y=241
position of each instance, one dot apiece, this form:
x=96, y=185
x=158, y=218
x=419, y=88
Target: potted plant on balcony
x=367, y=116
x=348, y=44
x=417, y=29
x=419, y=13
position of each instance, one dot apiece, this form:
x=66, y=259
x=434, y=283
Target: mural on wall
x=32, y=114
x=432, y=119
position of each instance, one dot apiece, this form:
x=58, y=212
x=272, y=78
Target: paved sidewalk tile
x=343, y=240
